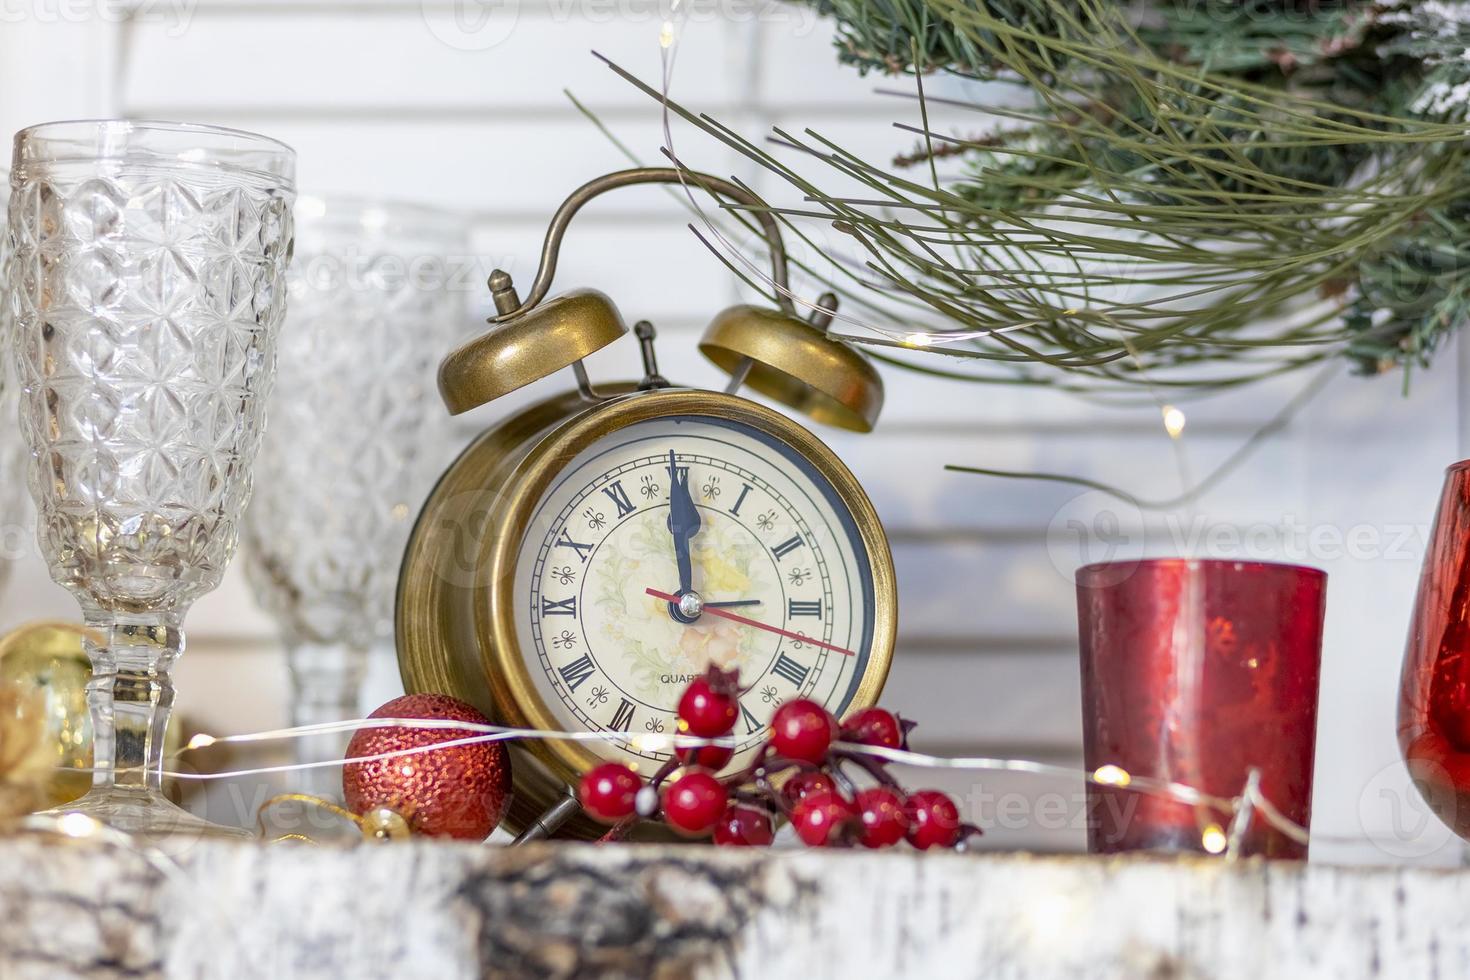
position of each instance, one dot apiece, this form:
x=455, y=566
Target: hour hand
x=684, y=521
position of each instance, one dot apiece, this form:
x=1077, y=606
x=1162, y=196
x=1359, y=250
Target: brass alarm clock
x=569, y=569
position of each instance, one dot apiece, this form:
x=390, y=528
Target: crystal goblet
x=357, y=437
x=147, y=275
x=14, y=526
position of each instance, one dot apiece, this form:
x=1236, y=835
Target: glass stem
x=326, y=679
x=130, y=695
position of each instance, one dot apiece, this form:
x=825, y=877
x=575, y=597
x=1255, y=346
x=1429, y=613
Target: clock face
x=770, y=544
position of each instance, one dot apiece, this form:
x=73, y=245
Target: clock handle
x=554, y=816
x=551, y=248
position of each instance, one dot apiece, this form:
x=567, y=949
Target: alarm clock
x=588, y=555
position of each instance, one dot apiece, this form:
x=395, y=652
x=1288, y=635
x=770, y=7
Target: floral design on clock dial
x=765, y=557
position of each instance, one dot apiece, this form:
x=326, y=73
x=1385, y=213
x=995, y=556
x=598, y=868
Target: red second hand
x=733, y=617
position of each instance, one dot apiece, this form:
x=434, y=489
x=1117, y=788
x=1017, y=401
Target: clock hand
x=685, y=607
x=733, y=617
x=684, y=523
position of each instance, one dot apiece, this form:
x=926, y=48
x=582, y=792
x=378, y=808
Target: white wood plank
x=77, y=58
x=1374, y=461
x=965, y=700
x=408, y=63
x=653, y=269
x=514, y=168
x=800, y=67
x=1017, y=811
x=904, y=471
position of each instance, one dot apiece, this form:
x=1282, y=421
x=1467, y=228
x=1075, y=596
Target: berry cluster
x=818, y=795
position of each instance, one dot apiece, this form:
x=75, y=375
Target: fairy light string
x=1238, y=812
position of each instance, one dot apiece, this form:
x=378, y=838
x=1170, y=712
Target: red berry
x=803, y=784
x=802, y=730
x=744, y=826
x=822, y=819
x=882, y=813
x=934, y=820
x=711, y=757
x=607, y=792
x=873, y=726
x=694, y=802
x=706, y=710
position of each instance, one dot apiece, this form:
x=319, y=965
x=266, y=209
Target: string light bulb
x=1213, y=839
x=77, y=824
x=1111, y=775
x=1174, y=421
x=650, y=743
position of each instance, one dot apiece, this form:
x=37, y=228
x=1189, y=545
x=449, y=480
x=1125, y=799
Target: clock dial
x=769, y=542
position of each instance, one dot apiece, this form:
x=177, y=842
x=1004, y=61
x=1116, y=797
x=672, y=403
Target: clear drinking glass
x=13, y=505
x=357, y=437
x=147, y=276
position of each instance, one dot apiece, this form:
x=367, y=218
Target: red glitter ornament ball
x=461, y=791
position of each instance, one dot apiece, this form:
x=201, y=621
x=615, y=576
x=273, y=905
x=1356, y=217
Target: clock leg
x=545, y=825
x=738, y=375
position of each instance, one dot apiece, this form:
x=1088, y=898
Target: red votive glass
x=1197, y=672
x=1434, y=690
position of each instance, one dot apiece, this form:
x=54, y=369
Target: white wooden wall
x=390, y=97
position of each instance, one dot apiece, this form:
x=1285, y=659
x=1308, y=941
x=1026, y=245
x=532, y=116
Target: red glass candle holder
x=1197, y=672
x=1434, y=690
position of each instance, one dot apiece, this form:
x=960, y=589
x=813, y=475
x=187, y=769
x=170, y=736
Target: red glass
x=1434, y=690
x=1197, y=672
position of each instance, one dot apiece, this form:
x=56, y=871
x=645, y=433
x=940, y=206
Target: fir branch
x=1190, y=173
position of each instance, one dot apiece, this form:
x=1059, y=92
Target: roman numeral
x=751, y=725
x=623, y=717
x=744, y=489
x=565, y=540
x=787, y=547
x=798, y=608
x=619, y=496
x=559, y=607
x=577, y=671
x=790, y=669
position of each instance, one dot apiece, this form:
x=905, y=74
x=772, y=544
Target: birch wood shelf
x=449, y=911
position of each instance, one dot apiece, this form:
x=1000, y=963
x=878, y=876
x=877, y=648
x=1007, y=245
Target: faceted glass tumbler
x=147, y=280
x=357, y=438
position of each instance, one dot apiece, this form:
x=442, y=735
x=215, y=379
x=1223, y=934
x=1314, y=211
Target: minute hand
x=744, y=621
x=684, y=522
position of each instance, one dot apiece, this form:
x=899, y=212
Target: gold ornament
x=45, y=668
x=24, y=761
x=382, y=824
x=378, y=825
